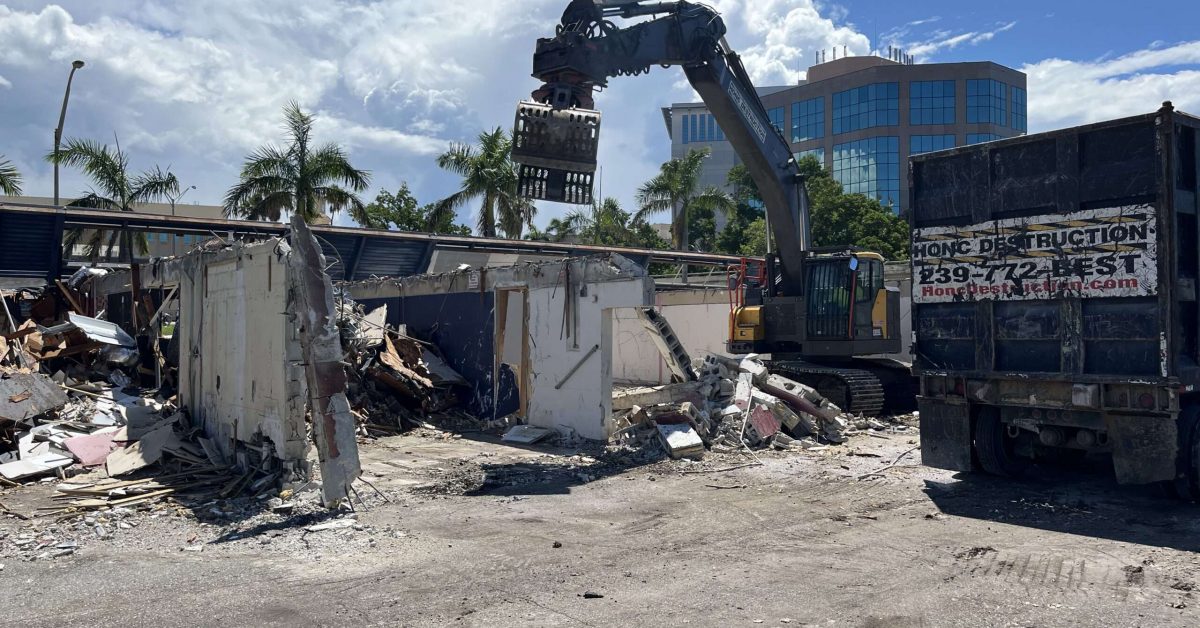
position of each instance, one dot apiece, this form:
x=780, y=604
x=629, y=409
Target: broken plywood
x=24, y=395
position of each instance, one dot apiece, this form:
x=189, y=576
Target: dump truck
x=1054, y=300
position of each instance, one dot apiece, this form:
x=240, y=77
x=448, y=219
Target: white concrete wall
x=245, y=378
x=700, y=319
x=584, y=403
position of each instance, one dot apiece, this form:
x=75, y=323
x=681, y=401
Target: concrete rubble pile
x=732, y=404
x=398, y=382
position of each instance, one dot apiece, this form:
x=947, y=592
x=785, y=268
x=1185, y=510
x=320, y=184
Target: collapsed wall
x=533, y=340
x=256, y=327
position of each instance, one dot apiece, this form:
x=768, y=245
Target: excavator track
x=853, y=390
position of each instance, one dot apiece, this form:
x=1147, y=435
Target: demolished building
x=535, y=340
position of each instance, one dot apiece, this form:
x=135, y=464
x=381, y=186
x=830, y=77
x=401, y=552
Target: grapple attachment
x=555, y=150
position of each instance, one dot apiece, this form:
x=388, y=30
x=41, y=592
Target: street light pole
x=62, y=118
x=175, y=199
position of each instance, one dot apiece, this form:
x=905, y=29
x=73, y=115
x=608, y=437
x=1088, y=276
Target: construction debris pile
x=398, y=382
x=728, y=405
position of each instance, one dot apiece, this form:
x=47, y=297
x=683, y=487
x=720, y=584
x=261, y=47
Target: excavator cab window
x=836, y=287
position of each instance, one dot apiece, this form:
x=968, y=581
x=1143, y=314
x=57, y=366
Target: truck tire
x=994, y=448
x=1186, y=485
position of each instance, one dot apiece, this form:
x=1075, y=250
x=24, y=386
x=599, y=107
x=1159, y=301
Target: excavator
x=819, y=313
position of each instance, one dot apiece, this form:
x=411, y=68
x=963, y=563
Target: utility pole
x=62, y=118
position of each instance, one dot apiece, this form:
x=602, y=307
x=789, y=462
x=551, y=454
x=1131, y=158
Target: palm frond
x=106, y=168
x=153, y=185
x=714, y=199
x=334, y=199
x=10, y=178
x=459, y=160
x=445, y=209
x=330, y=164
x=297, y=124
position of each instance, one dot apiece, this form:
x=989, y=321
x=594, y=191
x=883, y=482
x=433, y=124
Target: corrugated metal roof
x=102, y=331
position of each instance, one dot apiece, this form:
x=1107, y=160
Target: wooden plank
x=68, y=293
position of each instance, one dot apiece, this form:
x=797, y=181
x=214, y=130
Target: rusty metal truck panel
x=1054, y=281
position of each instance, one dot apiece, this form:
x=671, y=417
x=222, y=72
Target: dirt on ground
x=464, y=530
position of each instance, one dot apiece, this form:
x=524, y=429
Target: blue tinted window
x=877, y=104
x=987, y=102
x=1020, y=120
x=931, y=102
x=687, y=130
x=694, y=121
x=808, y=120
x=979, y=138
x=776, y=117
x=928, y=143
x=870, y=166
x=819, y=153
x=162, y=238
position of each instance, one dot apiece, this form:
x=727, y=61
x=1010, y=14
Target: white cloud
x=942, y=40
x=1064, y=93
x=5, y=82
x=777, y=38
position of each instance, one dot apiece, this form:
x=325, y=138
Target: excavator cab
x=847, y=299
x=846, y=310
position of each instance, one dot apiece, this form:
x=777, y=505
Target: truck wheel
x=1186, y=485
x=994, y=448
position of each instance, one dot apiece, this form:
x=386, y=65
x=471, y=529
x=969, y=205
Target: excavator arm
x=556, y=136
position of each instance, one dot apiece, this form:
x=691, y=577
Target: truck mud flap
x=1144, y=448
x=945, y=435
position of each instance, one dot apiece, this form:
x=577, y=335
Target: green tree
x=10, y=179
x=737, y=232
x=489, y=174
x=400, y=211
x=297, y=177
x=754, y=239
x=113, y=189
x=605, y=224
x=840, y=219
x=676, y=189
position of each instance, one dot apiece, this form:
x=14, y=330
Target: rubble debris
x=26, y=395
x=656, y=395
x=668, y=343
x=526, y=434
x=681, y=440
x=733, y=405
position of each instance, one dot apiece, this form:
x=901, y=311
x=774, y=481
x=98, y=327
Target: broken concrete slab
x=526, y=434
x=656, y=395
x=681, y=440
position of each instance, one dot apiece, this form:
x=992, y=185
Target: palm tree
x=604, y=223
x=489, y=174
x=113, y=189
x=675, y=189
x=10, y=179
x=297, y=178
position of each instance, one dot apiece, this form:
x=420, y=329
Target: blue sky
x=198, y=85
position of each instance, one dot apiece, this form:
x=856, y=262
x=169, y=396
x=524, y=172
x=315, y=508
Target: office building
x=863, y=116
